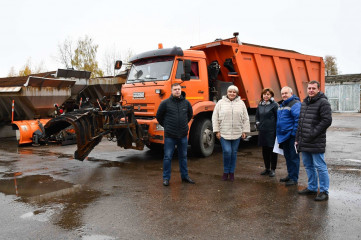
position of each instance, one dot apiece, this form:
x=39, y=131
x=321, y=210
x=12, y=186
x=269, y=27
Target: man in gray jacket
x=315, y=117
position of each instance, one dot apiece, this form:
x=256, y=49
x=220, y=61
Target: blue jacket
x=287, y=118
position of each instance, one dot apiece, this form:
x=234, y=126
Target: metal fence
x=344, y=97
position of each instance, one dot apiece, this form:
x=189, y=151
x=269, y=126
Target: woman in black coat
x=266, y=120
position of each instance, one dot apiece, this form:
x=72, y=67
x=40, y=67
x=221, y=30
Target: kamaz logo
x=138, y=95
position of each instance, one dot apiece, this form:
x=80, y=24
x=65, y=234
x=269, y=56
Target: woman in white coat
x=230, y=122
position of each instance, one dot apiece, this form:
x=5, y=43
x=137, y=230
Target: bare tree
x=110, y=56
x=128, y=54
x=12, y=72
x=65, y=50
x=40, y=68
x=330, y=65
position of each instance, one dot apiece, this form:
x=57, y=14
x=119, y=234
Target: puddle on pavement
x=48, y=194
x=71, y=215
x=29, y=186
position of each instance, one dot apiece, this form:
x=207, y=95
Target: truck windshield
x=151, y=69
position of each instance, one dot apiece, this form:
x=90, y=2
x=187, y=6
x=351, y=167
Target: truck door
x=196, y=89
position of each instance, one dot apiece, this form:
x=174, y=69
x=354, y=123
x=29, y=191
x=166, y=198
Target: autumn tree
x=330, y=65
x=83, y=58
x=27, y=69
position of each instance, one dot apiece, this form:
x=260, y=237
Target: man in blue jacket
x=174, y=114
x=287, y=122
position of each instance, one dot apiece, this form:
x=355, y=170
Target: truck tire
x=202, y=138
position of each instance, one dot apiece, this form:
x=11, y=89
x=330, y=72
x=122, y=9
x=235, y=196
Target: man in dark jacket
x=315, y=118
x=174, y=115
x=287, y=120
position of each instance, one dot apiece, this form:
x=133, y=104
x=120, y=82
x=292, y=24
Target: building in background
x=343, y=92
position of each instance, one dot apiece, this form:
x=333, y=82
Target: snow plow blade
x=91, y=125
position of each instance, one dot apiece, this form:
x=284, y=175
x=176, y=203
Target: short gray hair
x=234, y=88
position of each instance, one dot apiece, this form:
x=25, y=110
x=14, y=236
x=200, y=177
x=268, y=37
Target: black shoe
x=188, y=180
x=165, y=182
x=265, y=172
x=290, y=183
x=272, y=173
x=285, y=179
x=307, y=191
x=322, y=196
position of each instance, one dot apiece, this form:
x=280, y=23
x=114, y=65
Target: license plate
x=138, y=95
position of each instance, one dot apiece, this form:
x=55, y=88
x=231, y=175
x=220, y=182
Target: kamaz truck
x=205, y=71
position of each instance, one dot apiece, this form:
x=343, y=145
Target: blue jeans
x=169, y=146
x=315, y=164
x=230, y=148
x=292, y=158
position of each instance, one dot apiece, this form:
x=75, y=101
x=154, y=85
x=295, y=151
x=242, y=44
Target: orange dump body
x=257, y=67
x=26, y=128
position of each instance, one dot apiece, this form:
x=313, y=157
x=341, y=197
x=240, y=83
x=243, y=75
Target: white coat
x=230, y=118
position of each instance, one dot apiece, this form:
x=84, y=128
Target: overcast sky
x=33, y=29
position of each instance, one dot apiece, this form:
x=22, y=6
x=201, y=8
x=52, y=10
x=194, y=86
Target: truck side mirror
x=118, y=65
x=186, y=76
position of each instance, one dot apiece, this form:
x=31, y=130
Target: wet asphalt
x=118, y=194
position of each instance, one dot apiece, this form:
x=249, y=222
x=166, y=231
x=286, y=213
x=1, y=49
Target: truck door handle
x=200, y=91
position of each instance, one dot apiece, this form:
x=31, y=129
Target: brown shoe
x=225, y=177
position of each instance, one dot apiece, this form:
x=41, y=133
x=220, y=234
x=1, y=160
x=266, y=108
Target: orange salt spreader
x=25, y=129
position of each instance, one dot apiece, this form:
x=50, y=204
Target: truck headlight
x=159, y=127
x=159, y=91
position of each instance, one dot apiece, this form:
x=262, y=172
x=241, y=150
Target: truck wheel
x=202, y=138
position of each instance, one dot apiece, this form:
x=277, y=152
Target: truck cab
x=149, y=82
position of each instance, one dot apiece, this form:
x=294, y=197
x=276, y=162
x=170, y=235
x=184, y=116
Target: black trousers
x=269, y=158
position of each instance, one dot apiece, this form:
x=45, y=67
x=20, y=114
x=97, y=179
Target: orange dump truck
x=212, y=67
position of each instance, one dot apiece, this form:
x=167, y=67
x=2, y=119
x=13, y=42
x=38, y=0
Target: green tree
x=330, y=65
